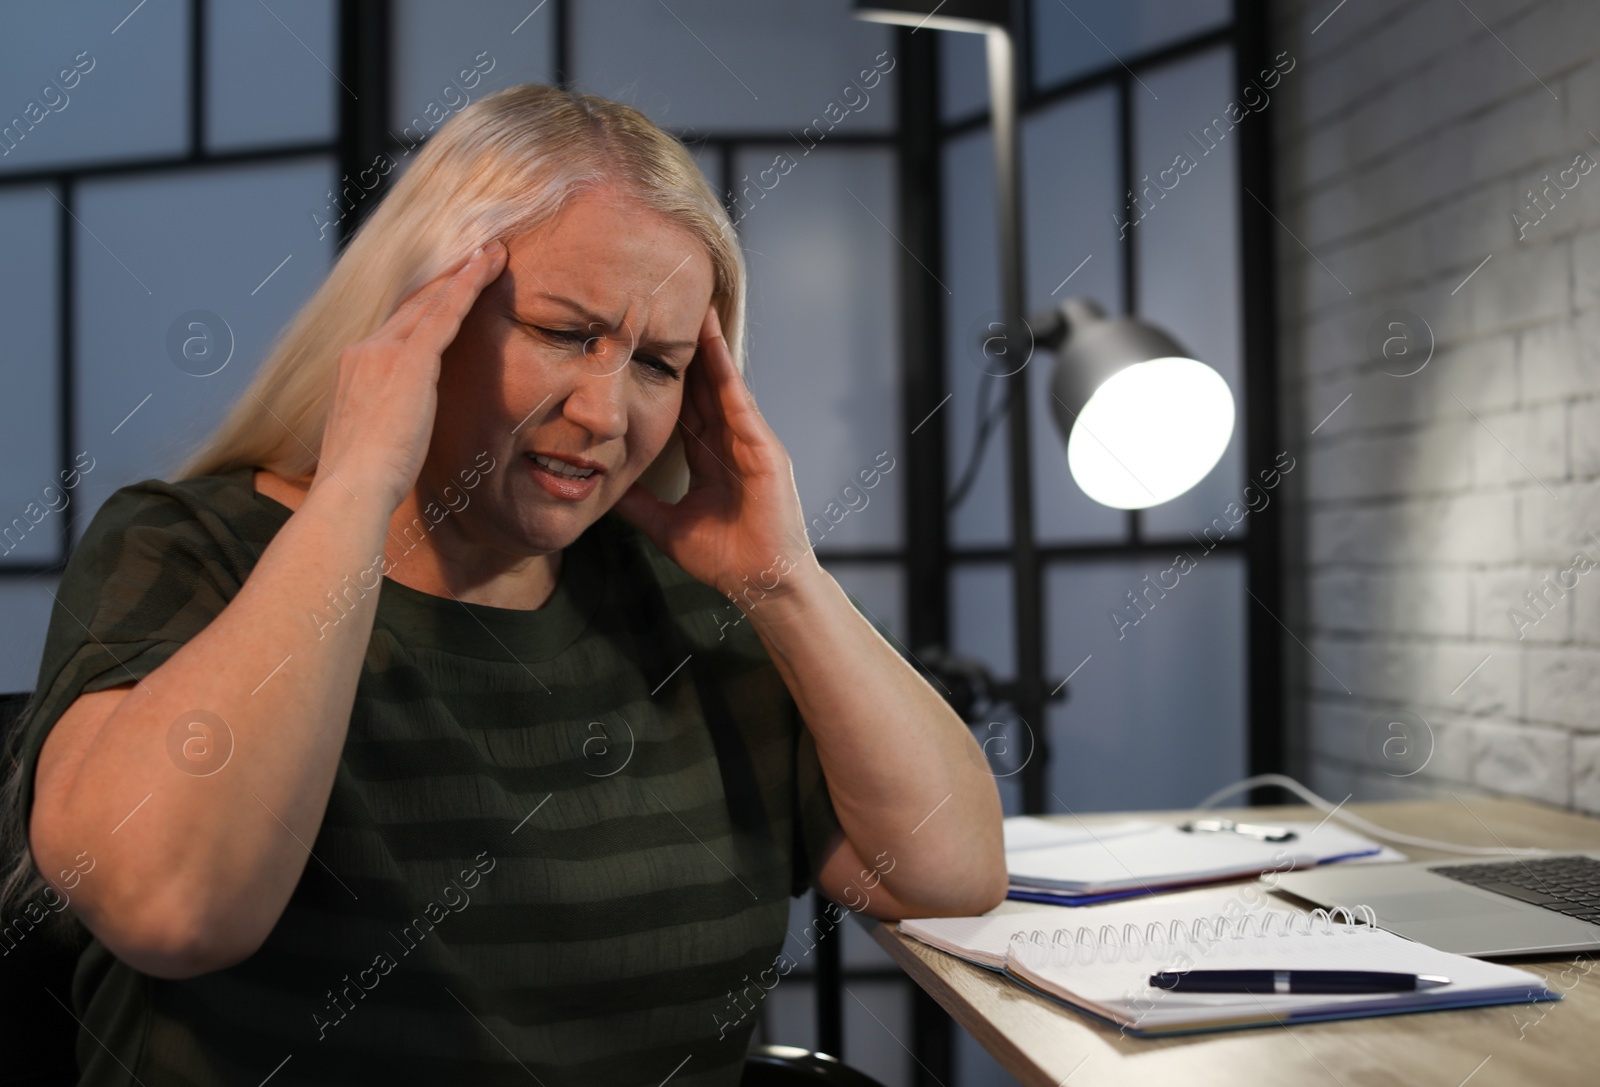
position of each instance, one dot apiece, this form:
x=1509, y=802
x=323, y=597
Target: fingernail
x=478, y=252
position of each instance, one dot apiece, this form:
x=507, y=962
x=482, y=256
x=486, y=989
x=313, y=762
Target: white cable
x=1354, y=820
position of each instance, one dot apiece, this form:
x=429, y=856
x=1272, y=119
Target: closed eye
x=572, y=335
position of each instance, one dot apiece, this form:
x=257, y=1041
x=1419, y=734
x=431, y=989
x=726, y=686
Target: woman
x=411, y=735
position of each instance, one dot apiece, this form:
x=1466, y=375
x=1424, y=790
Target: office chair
x=788, y=1066
x=37, y=1041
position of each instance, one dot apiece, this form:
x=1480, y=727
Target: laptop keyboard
x=1569, y=885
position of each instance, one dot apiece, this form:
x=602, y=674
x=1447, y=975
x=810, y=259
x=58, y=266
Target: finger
x=726, y=381
x=441, y=319
x=689, y=411
x=699, y=400
x=750, y=448
x=705, y=441
x=431, y=295
x=705, y=463
x=405, y=316
x=702, y=385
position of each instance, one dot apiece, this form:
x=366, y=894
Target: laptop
x=1524, y=906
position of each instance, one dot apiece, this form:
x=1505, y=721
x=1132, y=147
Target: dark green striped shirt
x=558, y=840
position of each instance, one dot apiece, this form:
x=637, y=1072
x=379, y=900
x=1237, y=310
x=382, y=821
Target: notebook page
x=984, y=939
x=1027, y=832
x=1115, y=981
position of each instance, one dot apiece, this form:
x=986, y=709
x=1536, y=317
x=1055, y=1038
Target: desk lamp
x=1143, y=422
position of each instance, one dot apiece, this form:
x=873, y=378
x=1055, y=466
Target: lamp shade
x=968, y=15
x=1143, y=421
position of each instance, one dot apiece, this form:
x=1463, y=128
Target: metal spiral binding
x=1086, y=944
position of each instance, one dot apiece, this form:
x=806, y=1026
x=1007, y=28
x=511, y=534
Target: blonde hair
x=505, y=165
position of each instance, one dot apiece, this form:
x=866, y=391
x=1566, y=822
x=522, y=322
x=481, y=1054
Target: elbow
x=176, y=949
x=986, y=889
x=995, y=892
x=969, y=898
x=981, y=896
x=164, y=934
x=166, y=927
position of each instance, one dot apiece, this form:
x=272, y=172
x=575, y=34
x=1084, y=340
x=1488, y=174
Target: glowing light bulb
x=1150, y=432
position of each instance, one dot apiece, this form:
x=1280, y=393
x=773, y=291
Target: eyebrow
x=659, y=345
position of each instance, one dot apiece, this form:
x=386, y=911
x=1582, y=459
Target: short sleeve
x=155, y=566
x=815, y=821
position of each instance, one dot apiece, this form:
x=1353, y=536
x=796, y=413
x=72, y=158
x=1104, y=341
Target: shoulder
x=158, y=500
x=207, y=521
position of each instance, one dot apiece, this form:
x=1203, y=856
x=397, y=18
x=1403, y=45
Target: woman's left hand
x=891, y=762
x=740, y=526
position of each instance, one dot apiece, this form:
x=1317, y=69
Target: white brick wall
x=1432, y=504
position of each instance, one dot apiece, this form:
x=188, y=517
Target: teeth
x=562, y=468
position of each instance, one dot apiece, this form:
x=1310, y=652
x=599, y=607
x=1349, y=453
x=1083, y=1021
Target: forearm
x=909, y=784
x=220, y=853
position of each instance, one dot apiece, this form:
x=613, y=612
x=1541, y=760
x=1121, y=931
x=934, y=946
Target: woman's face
x=573, y=359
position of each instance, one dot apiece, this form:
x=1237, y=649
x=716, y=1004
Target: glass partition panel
x=270, y=73
x=1090, y=34
x=963, y=76
x=730, y=66
x=26, y=604
x=448, y=55
x=1155, y=714
x=31, y=493
x=824, y=342
x=179, y=297
x=92, y=81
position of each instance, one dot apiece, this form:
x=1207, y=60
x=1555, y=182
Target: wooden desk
x=1049, y=1045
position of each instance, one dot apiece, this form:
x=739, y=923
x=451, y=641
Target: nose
x=597, y=399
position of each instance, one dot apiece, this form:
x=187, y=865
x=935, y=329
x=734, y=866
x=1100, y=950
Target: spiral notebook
x=1103, y=967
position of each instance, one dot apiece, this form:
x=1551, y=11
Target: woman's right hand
x=385, y=392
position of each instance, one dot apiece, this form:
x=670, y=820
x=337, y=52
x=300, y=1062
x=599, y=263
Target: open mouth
x=563, y=480
x=561, y=467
